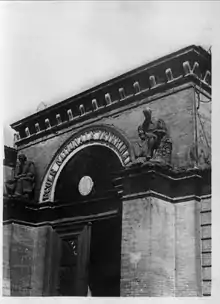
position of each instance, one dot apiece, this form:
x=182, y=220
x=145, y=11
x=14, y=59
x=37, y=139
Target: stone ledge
x=164, y=180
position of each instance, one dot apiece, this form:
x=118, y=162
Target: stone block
x=206, y=245
x=206, y=231
x=206, y=218
x=206, y=259
x=206, y=204
x=206, y=287
x=206, y=273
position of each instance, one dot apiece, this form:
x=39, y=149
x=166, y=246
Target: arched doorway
x=91, y=256
x=102, y=135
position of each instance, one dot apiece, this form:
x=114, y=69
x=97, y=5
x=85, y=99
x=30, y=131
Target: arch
x=103, y=135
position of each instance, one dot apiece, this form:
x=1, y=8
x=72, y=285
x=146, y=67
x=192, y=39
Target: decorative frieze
x=186, y=68
x=122, y=93
x=70, y=114
x=207, y=77
x=95, y=136
x=27, y=132
x=152, y=81
x=195, y=68
x=136, y=87
x=169, y=75
x=82, y=110
x=94, y=105
x=17, y=136
x=47, y=123
x=58, y=118
x=108, y=99
x=37, y=127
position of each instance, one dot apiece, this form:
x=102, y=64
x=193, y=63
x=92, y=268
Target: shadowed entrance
x=96, y=259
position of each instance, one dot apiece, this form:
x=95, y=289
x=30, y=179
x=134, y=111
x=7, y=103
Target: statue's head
x=141, y=133
x=22, y=158
x=147, y=113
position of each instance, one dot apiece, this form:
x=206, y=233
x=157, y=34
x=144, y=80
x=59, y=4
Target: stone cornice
x=187, y=65
x=174, y=183
x=137, y=181
x=71, y=128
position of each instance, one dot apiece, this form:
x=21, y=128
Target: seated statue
x=155, y=143
x=22, y=184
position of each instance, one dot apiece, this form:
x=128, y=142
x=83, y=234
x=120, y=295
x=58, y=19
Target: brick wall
x=206, y=245
x=29, y=253
x=175, y=109
x=161, y=254
x=6, y=282
x=188, y=252
x=148, y=256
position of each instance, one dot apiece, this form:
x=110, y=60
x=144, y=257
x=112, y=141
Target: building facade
x=114, y=198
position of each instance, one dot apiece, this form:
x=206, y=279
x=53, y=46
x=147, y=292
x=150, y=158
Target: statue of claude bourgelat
x=22, y=184
x=155, y=144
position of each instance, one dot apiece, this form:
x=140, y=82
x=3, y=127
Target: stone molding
x=167, y=184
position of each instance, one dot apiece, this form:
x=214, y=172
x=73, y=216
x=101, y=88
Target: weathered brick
x=7, y=231
x=188, y=254
x=207, y=285
x=206, y=245
x=206, y=273
x=206, y=204
x=206, y=218
x=206, y=259
x=25, y=264
x=148, y=261
x=206, y=231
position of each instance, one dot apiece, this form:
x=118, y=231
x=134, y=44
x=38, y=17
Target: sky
x=53, y=50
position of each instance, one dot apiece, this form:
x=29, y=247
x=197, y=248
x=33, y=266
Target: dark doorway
x=100, y=267
x=96, y=161
x=92, y=260
x=105, y=258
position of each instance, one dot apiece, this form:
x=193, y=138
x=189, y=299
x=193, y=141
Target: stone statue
x=22, y=184
x=155, y=144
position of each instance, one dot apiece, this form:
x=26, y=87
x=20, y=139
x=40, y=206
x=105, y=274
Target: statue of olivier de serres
x=23, y=182
x=155, y=143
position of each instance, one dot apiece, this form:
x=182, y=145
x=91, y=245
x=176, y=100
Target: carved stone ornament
x=96, y=135
x=85, y=185
x=23, y=183
x=155, y=145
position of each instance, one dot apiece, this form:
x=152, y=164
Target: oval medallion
x=85, y=185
